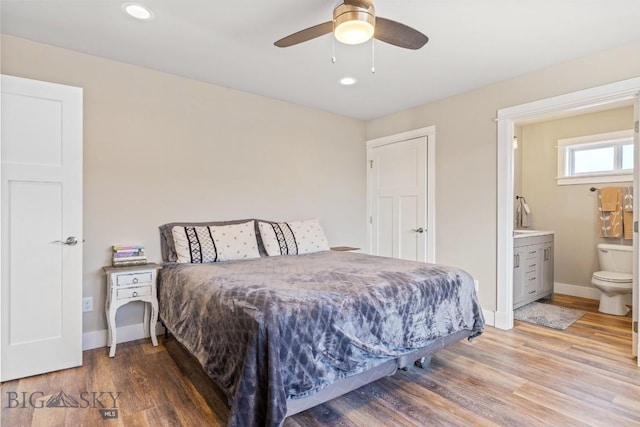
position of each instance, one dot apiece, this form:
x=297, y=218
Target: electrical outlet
x=87, y=304
x=476, y=284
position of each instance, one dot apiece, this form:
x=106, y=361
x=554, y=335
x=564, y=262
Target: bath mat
x=548, y=315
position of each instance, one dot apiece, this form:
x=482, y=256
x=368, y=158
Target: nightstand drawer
x=138, y=291
x=133, y=278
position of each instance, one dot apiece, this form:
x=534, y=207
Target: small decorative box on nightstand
x=127, y=284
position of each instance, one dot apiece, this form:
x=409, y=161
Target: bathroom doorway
x=589, y=100
x=567, y=206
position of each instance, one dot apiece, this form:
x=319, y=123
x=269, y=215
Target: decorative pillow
x=293, y=238
x=201, y=244
x=167, y=245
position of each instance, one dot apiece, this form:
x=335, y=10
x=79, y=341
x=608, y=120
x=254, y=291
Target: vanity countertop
x=530, y=233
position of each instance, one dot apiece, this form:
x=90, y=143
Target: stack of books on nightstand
x=128, y=255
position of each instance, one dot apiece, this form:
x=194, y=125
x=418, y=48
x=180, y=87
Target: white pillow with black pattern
x=204, y=244
x=237, y=241
x=293, y=238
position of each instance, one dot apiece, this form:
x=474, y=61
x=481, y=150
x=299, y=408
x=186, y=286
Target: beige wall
x=466, y=153
x=259, y=157
x=569, y=210
x=160, y=148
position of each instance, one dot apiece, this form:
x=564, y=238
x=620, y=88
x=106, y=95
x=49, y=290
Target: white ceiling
x=472, y=44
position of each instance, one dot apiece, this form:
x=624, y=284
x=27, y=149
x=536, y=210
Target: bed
x=280, y=334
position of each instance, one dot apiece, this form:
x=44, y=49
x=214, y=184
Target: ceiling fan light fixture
x=352, y=24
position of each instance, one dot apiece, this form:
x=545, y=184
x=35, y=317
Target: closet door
x=398, y=188
x=41, y=234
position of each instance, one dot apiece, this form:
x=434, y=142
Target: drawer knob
x=135, y=293
x=135, y=280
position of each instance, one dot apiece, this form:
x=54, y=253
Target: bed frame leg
x=423, y=362
x=166, y=331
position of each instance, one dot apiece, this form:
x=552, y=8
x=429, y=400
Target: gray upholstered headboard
x=168, y=250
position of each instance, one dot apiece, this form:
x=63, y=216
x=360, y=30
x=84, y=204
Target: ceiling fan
x=355, y=22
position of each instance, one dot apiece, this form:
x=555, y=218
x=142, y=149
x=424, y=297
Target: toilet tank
x=618, y=258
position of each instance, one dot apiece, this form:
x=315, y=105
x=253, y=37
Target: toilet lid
x=612, y=276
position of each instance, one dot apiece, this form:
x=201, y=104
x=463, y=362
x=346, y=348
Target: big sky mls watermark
x=104, y=401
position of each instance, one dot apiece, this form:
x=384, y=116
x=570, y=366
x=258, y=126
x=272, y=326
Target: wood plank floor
x=529, y=376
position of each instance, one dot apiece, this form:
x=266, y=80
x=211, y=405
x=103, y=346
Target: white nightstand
x=127, y=284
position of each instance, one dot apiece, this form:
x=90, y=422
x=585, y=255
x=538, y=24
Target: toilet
x=616, y=278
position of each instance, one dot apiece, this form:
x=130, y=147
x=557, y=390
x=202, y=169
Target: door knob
x=71, y=241
x=418, y=230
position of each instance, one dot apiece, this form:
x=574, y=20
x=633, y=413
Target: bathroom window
x=601, y=158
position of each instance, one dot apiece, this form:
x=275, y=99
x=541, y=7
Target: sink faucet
x=523, y=212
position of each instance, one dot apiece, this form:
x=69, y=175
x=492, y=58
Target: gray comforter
x=277, y=328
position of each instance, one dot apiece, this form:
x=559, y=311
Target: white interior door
x=398, y=194
x=41, y=192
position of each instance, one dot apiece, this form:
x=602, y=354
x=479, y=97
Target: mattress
x=275, y=329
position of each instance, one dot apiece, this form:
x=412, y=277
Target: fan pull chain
x=373, y=56
x=333, y=49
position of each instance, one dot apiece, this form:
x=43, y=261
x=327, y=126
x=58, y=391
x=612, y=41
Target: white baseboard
x=590, y=292
x=489, y=317
x=504, y=320
x=576, y=291
x=97, y=339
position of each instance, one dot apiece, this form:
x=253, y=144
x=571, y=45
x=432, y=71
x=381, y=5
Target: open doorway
x=561, y=191
x=602, y=97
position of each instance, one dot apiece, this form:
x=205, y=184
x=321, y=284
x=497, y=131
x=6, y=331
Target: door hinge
x=635, y=226
x=635, y=327
x=370, y=163
x=370, y=220
x=636, y=126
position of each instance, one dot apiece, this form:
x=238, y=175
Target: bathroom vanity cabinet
x=532, y=267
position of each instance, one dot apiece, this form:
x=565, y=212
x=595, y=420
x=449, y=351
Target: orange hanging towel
x=610, y=212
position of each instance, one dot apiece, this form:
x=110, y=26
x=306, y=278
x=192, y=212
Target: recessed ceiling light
x=137, y=11
x=348, y=81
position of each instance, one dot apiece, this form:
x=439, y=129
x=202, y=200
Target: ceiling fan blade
x=398, y=34
x=359, y=3
x=306, y=34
